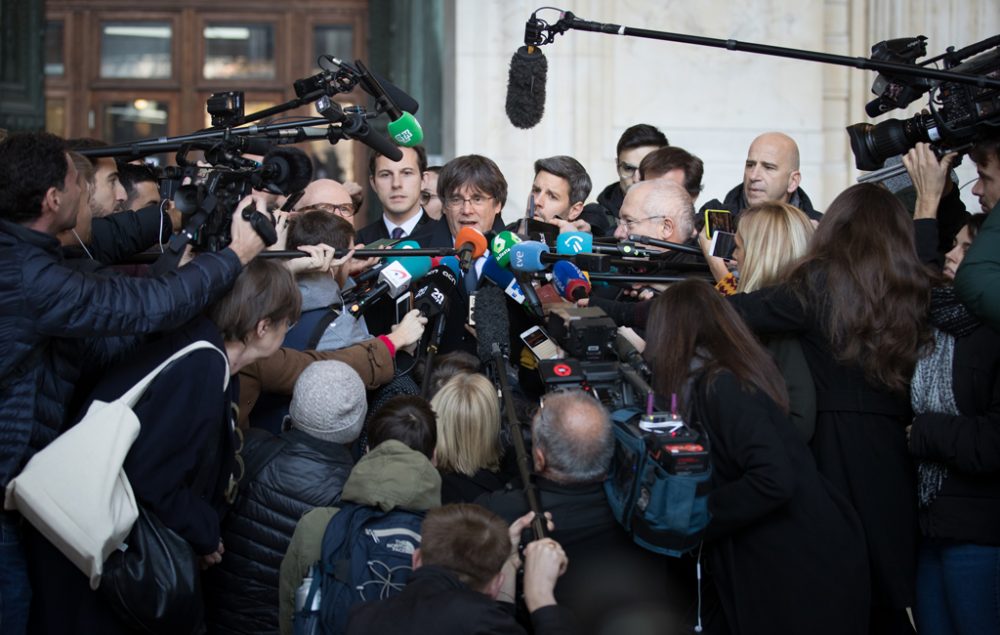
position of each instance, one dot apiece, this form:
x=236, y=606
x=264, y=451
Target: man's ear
x=51, y=200
x=539, y=460
x=793, y=181
x=575, y=211
x=417, y=560
x=667, y=229
x=493, y=586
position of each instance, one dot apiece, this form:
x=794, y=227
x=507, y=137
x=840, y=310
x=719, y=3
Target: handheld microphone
x=503, y=279
x=470, y=244
x=394, y=279
x=570, y=281
x=404, y=128
x=531, y=257
x=452, y=263
x=502, y=244
x=432, y=299
x=501, y=248
x=572, y=243
x=526, y=80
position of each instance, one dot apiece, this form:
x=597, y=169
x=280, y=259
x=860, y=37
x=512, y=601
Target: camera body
x=959, y=113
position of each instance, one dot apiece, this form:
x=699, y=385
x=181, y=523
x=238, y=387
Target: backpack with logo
x=659, y=480
x=367, y=554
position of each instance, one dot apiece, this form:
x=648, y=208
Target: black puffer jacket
x=735, y=202
x=44, y=306
x=303, y=473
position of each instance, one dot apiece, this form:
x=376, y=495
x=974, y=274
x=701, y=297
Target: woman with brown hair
x=858, y=303
x=784, y=552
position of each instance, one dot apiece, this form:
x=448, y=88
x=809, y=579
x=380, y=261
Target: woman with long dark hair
x=784, y=553
x=858, y=303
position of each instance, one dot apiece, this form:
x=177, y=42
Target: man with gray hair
x=611, y=577
x=660, y=209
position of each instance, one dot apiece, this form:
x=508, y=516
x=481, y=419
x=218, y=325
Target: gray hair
x=570, y=169
x=669, y=199
x=573, y=432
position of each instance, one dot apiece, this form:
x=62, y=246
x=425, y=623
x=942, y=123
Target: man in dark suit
x=397, y=185
x=473, y=191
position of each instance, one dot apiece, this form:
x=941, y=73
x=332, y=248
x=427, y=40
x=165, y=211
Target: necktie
x=471, y=280
x=397, y=233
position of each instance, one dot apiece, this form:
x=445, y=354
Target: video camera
x=959, y=113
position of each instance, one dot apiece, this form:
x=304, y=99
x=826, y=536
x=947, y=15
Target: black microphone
x=526, y=81
x=284, y=170
x=631, y=355
x=492, y=324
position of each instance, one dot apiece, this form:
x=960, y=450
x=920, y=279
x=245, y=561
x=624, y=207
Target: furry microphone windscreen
x=526, y=87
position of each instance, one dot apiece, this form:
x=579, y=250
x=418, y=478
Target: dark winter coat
x=305, y=473
x=187, y=422
x=435, y=601
x=785, y=552
x=978, y=278
x=859, y=441
x=736, y=202
x=603, y=214
x=46, y=309
x=608, y=574
x=967, y=508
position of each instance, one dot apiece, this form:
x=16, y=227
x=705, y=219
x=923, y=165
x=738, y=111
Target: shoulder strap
x=133, y=395
x=320, y=328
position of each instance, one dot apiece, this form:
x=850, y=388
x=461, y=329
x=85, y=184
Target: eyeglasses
x=626, y=170
x=457, y=202
x=629, y=224
x=425, y=197
x=344, y=209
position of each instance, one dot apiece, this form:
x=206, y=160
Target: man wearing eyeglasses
x=429, y=199
x=397, y=185
x=329, y=192
x=771, y=173
x=635, y=143
x=660, y=209
x=473, y=191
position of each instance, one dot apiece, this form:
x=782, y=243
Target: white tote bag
x=75, y=491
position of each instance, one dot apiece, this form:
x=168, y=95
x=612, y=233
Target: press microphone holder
x=540, y=33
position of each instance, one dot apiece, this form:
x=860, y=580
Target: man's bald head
x=572, y=438
x=328, y=192
x=772, y=169
x=663, y=209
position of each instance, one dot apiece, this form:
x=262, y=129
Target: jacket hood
x=392, y=475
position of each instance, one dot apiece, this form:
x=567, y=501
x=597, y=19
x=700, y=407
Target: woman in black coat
x=183, y=464
x=955, y=438
x=784, y=552
x=858, y=303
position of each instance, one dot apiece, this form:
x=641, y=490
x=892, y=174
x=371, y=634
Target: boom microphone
x=526, y=81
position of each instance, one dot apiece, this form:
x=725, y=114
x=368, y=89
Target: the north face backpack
x=367, y=555
x=658, y=484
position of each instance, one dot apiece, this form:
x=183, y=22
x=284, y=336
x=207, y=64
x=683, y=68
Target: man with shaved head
x=331, y=193
x=771, y=173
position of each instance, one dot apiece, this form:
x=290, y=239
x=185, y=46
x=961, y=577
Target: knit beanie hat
x=329, y=402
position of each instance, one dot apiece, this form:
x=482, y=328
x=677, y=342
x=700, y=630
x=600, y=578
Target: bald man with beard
x=771, y=173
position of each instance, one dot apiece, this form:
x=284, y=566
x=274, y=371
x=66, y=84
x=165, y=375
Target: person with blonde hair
x=770, y=239
x=468, y=444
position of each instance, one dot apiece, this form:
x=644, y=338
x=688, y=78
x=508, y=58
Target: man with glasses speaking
x=635, y=143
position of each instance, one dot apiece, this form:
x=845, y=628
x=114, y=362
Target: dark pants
x=15, y=589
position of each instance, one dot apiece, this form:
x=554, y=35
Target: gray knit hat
x=329, y=402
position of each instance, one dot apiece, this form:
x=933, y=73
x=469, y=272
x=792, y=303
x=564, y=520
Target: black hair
x=32, y=163
x=641, y=134
x=408, y=419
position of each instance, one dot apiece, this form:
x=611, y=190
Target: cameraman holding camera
x=977, y=278
x=50, y=312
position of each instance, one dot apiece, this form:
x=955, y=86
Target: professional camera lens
x=873, y=144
